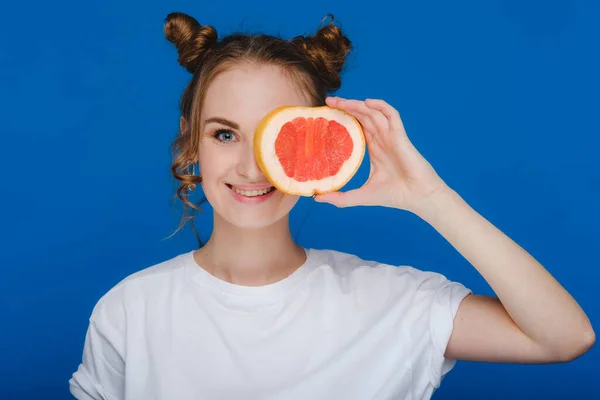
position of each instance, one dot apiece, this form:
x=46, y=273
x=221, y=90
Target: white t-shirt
x=339, y=327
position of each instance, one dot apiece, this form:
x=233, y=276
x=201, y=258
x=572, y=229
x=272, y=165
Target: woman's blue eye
x=224, y=135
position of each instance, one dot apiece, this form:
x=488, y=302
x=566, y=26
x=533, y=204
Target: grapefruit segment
x=309, y=150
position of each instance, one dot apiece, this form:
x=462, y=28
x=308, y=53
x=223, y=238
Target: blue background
x=500, y=96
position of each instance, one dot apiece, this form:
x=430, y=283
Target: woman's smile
x=251, y=194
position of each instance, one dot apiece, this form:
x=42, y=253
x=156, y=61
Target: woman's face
x=234, y=104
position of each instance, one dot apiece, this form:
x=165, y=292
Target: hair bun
x=191, y=39
x=327, y=49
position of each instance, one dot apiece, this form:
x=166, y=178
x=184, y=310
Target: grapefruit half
x=309, y=150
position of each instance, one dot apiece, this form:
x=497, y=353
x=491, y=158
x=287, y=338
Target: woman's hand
x=399, y=176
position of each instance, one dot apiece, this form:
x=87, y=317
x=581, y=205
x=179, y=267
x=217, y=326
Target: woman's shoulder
x=143, y=284
x=370, y=278
x=347, y=264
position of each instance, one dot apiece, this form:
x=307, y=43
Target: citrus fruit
x=309, y=150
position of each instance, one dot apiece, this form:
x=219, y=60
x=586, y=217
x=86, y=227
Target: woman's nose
x=247, y=166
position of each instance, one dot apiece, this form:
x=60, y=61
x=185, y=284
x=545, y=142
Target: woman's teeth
x=252, y=193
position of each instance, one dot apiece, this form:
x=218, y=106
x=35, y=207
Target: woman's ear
x=182, y=125
x=182, y=131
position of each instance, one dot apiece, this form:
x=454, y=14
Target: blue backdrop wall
x=500, y=96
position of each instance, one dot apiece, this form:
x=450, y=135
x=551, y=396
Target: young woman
x=251, y=314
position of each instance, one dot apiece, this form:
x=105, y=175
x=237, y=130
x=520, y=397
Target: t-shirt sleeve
x=101, y=374
x=439, y=298
x=444, y=307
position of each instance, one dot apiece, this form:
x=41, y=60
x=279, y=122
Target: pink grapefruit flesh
x=309, y=150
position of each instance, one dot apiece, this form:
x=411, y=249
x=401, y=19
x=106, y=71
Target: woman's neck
x=250, y=257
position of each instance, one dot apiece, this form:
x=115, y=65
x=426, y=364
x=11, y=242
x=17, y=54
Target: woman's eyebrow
x=222, y=121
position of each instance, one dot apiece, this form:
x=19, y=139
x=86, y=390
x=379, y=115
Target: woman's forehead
x=247, y=93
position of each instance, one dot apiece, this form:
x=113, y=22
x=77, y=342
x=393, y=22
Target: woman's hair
x=314, y=64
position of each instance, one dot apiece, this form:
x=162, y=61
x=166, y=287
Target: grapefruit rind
x=264, y=149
